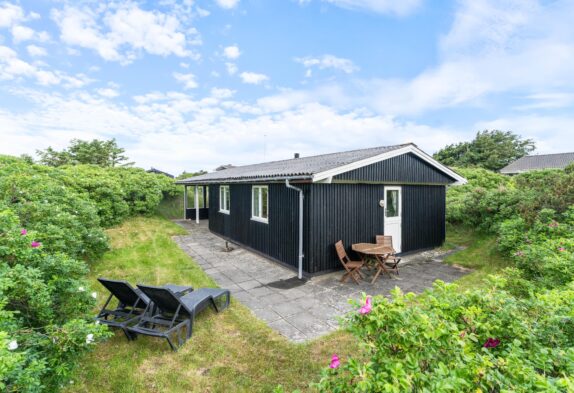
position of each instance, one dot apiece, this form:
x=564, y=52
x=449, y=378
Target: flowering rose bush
x=450, y=341
x=44, y=317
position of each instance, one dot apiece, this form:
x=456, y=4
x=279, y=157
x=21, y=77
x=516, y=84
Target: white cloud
x=227, y=4
x=22, y=33
x=232, y=52
x=328, y=61
x=156, y=125
x=396, y=7
x=122, y=33
x=231, y=68
x=188, y=80
x=253, y=78
x=36, y=51
x=222, y=93
x=14, y=68
x=108, y=92
x=10, y=14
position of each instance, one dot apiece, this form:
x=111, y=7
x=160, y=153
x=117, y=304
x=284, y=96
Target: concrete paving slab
x=313, y=308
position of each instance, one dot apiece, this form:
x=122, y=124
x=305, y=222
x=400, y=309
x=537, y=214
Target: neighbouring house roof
x=157, y=171
x=319, y=168
x=539, y=161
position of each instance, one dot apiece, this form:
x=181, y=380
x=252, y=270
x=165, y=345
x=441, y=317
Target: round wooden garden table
x=374, y=251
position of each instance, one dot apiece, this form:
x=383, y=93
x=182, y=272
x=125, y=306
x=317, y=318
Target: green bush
x=65, y=221
x=450, y=341
x=489, y=198
x=51, y=223
x=45, y=308
x=543, y=250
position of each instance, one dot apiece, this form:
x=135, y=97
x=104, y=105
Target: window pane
x=264, y=203
x=227, y=198
x=256, y=212
x=221, y=198
x=392, y=203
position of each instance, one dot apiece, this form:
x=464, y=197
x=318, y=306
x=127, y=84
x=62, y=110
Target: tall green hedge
x=52, y=224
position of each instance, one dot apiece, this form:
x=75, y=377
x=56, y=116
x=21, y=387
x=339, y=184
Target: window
x=260, y=203
x=224, y=199
x=392, y=203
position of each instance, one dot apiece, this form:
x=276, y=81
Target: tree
x=95, y=152
x=489, y=149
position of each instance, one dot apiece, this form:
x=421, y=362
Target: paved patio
x=300, y=310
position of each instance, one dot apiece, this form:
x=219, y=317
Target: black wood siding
x=348, y=212
x=278, y=238
x=424, y=213
x=351, y=212
x=203, y=213
x=403, y=169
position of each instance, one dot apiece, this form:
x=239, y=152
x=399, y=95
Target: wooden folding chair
x=352, y=267
x=392, y=261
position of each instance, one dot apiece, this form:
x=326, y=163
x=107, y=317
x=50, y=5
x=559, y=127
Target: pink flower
x=561, y=249
x=491, y=343
x=553, y=224
x=335, y=363
x=367, y=307
x=35, y=244
x=519, y=253
x=24, y=232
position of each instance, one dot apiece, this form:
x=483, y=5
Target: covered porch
x=195, y=202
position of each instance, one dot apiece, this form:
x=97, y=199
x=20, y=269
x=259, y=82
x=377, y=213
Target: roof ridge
x=324, y=154
x=547, y=154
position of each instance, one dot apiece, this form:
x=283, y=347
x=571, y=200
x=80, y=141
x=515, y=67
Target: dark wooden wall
x=424, y=217
x=277, y=238
x=403, y=169
x=351, y=212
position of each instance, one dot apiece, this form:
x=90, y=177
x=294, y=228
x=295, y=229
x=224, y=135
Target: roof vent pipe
x=296, y=155
x=301, y=197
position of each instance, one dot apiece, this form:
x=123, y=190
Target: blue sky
x=188, y=85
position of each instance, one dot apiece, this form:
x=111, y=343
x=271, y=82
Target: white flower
x=81, y=289
x=94, y=295
x=89, y=338
x=97, y=322
x=12, y=345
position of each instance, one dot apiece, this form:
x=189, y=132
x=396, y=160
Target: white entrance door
x=393, y=215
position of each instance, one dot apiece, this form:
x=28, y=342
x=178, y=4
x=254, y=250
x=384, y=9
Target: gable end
x=406, y=168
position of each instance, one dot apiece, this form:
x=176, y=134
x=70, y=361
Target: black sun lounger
x=132, y=303
x=169, y=314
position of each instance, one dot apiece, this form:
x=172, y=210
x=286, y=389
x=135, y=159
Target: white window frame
x=223, y=206
x=259, y=189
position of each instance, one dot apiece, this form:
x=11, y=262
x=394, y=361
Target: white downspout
x=301, y=197
x=196, y=198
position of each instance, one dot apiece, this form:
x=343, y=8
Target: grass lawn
x=229, y=352
x=171, y=208
x=480, y=254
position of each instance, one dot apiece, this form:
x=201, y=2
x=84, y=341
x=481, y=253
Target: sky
x=193, y=84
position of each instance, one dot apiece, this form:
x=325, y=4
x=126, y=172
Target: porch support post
x=196, y=205
x=185, y=201
x=204, y=196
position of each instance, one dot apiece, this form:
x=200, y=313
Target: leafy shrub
x=490, y=198
x=448, y=341
x=543, y=250
x=44, y=311
x=65, y=221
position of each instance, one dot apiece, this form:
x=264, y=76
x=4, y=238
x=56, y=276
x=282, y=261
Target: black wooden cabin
x=351, y=196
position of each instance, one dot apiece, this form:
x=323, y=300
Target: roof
x=154, y=170
x=539, y=161
x=315, y=168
